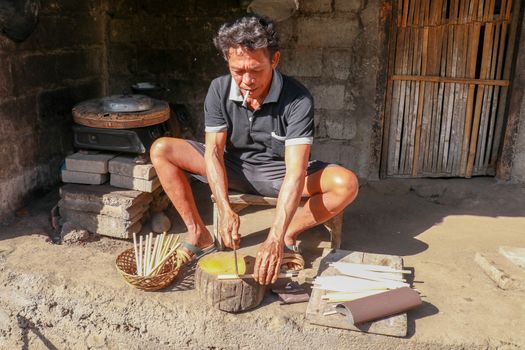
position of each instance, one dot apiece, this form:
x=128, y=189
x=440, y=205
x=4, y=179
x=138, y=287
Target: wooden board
x=394, y=325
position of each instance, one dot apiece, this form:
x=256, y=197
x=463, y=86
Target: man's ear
x=275, y=59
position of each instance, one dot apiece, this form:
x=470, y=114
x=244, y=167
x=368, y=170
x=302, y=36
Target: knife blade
x=235, y=257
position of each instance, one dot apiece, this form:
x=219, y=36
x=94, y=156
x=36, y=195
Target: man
x=259, y=130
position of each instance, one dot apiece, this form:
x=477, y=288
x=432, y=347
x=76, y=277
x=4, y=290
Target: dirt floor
x=71, y=296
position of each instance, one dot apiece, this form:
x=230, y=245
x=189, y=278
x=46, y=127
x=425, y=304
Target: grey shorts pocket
x=278, y=145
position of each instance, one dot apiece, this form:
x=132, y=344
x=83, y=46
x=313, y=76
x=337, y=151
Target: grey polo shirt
x=286, y=117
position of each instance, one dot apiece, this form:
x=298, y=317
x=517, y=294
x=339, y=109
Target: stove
x=133, y=140
x=120, y=123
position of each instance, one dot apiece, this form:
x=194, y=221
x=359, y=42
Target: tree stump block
x=227, y=295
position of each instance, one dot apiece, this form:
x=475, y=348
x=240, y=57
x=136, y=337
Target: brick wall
x=60, y=64
x=329, y=45
x=170, y=43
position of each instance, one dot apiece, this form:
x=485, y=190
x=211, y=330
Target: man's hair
x=251, y=32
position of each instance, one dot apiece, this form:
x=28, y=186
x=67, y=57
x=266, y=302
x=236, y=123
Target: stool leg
x=335, y=227
x=238, y=207
x=216, y=235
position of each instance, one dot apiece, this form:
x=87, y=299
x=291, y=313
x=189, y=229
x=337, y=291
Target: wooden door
x=447, y=87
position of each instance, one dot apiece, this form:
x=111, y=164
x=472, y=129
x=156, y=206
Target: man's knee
x=159, y=148
x=345, y=183
x=163, y=147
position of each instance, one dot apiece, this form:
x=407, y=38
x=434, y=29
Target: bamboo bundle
x=378, y=268
x=151, y=254
x=352, y=284
x=356, y=281
x=370, y=272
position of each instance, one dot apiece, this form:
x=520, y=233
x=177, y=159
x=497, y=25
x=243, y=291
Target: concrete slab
x=109, y=210
x=104, y=195
x=103, y=224
x=79, y=177
x=515, y=254
x=89, y=162
x=134, y=183
x=126, y=166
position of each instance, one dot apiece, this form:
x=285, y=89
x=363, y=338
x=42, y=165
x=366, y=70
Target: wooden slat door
x=447, y=87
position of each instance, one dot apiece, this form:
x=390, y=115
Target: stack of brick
x=87, y=168
x=104, y=209
x=160, y=200
x=127, y=173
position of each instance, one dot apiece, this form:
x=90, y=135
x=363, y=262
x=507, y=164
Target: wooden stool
x=240, y=201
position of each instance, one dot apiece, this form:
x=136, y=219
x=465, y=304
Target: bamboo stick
x=167, y=245
x=159, y=248
x=343, y=297
x=153, y=254
x=155, y=269
x=135, y=250
x=331, y=312
x=370, y=267
x=374, y=276
x=234, y=276
x=139, y=271
x=147, y=252
x=420, y=106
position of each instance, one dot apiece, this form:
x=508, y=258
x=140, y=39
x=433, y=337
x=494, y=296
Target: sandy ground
x=71, y=297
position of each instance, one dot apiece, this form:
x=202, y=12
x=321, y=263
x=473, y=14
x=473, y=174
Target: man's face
x=252, y=70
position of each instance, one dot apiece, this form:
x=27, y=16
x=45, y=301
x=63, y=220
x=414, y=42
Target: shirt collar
x=273, y=93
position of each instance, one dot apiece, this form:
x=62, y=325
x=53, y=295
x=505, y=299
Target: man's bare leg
x=330, y=191
x=171, y=157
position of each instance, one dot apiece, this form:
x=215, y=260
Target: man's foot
x=196, y=246
x=292, y=258
x=188, y=252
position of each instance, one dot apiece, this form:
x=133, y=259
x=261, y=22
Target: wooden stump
x=228, y=295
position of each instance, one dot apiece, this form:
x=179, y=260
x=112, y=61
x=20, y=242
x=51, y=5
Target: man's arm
x=218, y=181
x=269, y=256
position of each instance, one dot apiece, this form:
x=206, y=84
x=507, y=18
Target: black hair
x=249, y=31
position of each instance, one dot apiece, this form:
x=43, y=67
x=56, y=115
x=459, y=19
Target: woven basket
x=127, y=267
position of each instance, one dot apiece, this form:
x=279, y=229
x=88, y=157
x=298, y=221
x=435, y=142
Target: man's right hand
x=229, y=228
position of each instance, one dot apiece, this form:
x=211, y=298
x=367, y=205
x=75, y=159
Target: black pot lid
x=126, y=103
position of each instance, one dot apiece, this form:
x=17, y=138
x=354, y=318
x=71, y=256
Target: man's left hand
x=268, y=261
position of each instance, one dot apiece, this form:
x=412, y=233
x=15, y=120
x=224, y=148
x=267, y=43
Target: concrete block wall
x=332, y=47
x=329, y=45
x=41, y=78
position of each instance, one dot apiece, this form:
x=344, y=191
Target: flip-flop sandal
x=183, y=257
x=292, y=256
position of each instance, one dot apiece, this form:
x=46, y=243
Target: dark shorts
x=261, y=179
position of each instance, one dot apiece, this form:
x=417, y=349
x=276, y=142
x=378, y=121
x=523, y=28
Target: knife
x=235, y=257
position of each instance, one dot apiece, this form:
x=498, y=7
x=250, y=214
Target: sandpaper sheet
x=292, y=293
x=380, y=305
